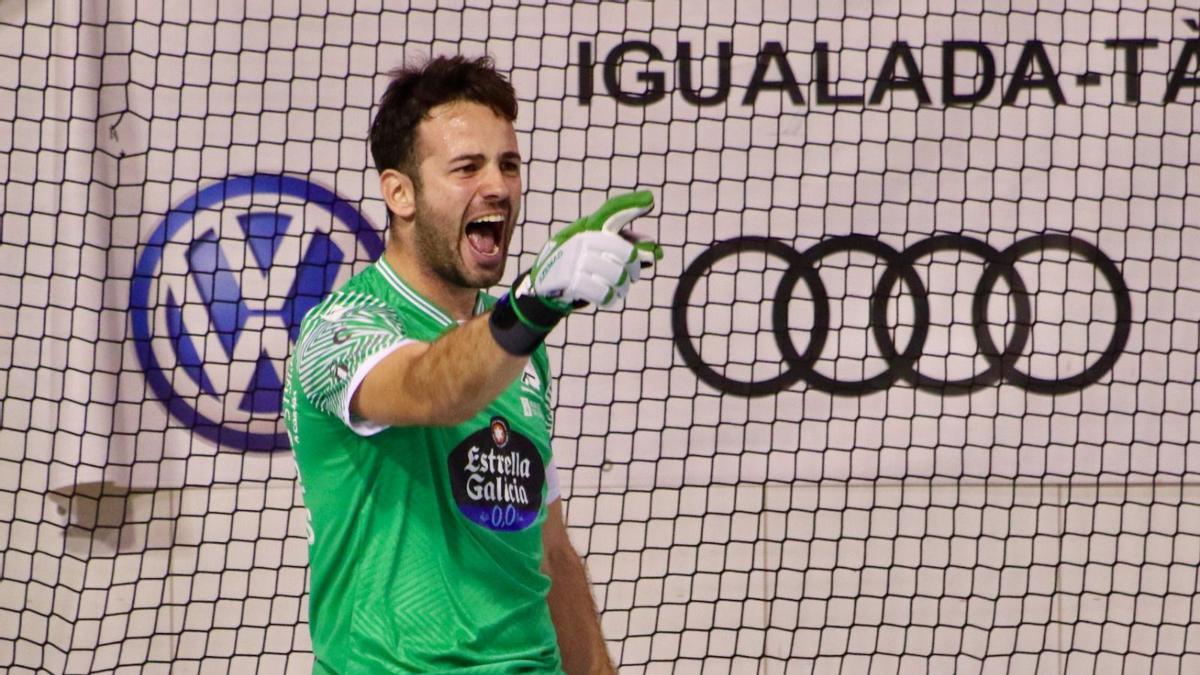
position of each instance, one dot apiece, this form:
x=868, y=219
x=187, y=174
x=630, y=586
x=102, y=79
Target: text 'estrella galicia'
x=901, y=365
x=219, y=290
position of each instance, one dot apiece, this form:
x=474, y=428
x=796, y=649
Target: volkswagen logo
x=218, y=292
x=902, y=362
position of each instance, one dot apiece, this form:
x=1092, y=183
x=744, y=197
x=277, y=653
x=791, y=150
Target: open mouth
x=486, y=234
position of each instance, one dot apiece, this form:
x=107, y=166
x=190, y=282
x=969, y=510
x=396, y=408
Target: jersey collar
x=419, y=301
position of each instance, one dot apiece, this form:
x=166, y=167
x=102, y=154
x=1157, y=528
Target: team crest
x=499, y=432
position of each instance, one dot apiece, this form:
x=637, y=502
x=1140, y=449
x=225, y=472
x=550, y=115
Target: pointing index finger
x=617, y=212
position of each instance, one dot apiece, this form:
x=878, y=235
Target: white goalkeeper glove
x=590, y=262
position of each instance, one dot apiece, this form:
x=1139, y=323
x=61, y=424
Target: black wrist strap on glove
x=519, y=325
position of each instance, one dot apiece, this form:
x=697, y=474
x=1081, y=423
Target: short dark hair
x=417, y=89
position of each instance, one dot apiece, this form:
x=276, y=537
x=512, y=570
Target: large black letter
x=773, y=51
x=1179, y=74
x=612, y=67
x=887, y=75
x=586, y=76
x=1133, y=72
x=987, y=66
x=1021, y=77
x=725, y=51
x=823, y=95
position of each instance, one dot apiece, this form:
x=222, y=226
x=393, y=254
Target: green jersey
x=425, y=543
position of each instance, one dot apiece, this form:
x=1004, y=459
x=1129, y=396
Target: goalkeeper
x=418, y=407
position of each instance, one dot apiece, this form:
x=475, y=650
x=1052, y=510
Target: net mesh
x=760, y=480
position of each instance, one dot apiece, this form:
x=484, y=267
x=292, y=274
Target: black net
x=913, y=389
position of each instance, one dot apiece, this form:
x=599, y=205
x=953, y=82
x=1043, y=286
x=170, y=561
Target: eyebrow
x=480, y=157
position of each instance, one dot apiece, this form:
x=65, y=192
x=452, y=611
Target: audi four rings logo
x=901, y=365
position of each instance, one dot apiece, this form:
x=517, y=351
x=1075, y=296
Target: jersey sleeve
x=338, y=350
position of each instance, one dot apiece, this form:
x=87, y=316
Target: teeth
x=494, y=218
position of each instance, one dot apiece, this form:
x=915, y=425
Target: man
x=418, y=407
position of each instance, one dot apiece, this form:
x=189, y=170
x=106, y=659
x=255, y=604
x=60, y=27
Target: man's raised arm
x=447, y=381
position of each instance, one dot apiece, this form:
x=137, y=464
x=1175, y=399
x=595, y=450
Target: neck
x=457, y=301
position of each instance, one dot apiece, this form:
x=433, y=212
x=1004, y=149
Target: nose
x=493, y=187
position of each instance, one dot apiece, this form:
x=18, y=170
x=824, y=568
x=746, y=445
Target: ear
x=399, y=193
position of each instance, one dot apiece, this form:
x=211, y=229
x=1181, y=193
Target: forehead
x=464, y=127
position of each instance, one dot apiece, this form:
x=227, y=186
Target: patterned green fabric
x=425, y=542
x=353, y=327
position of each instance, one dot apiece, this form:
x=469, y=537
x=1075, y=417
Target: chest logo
x=499, y=433
x=496, y=477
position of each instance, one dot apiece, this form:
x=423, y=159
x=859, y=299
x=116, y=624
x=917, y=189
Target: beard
x=437, y=238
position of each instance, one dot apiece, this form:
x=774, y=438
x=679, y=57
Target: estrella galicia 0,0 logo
x=219, y=290
x=496, y=477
